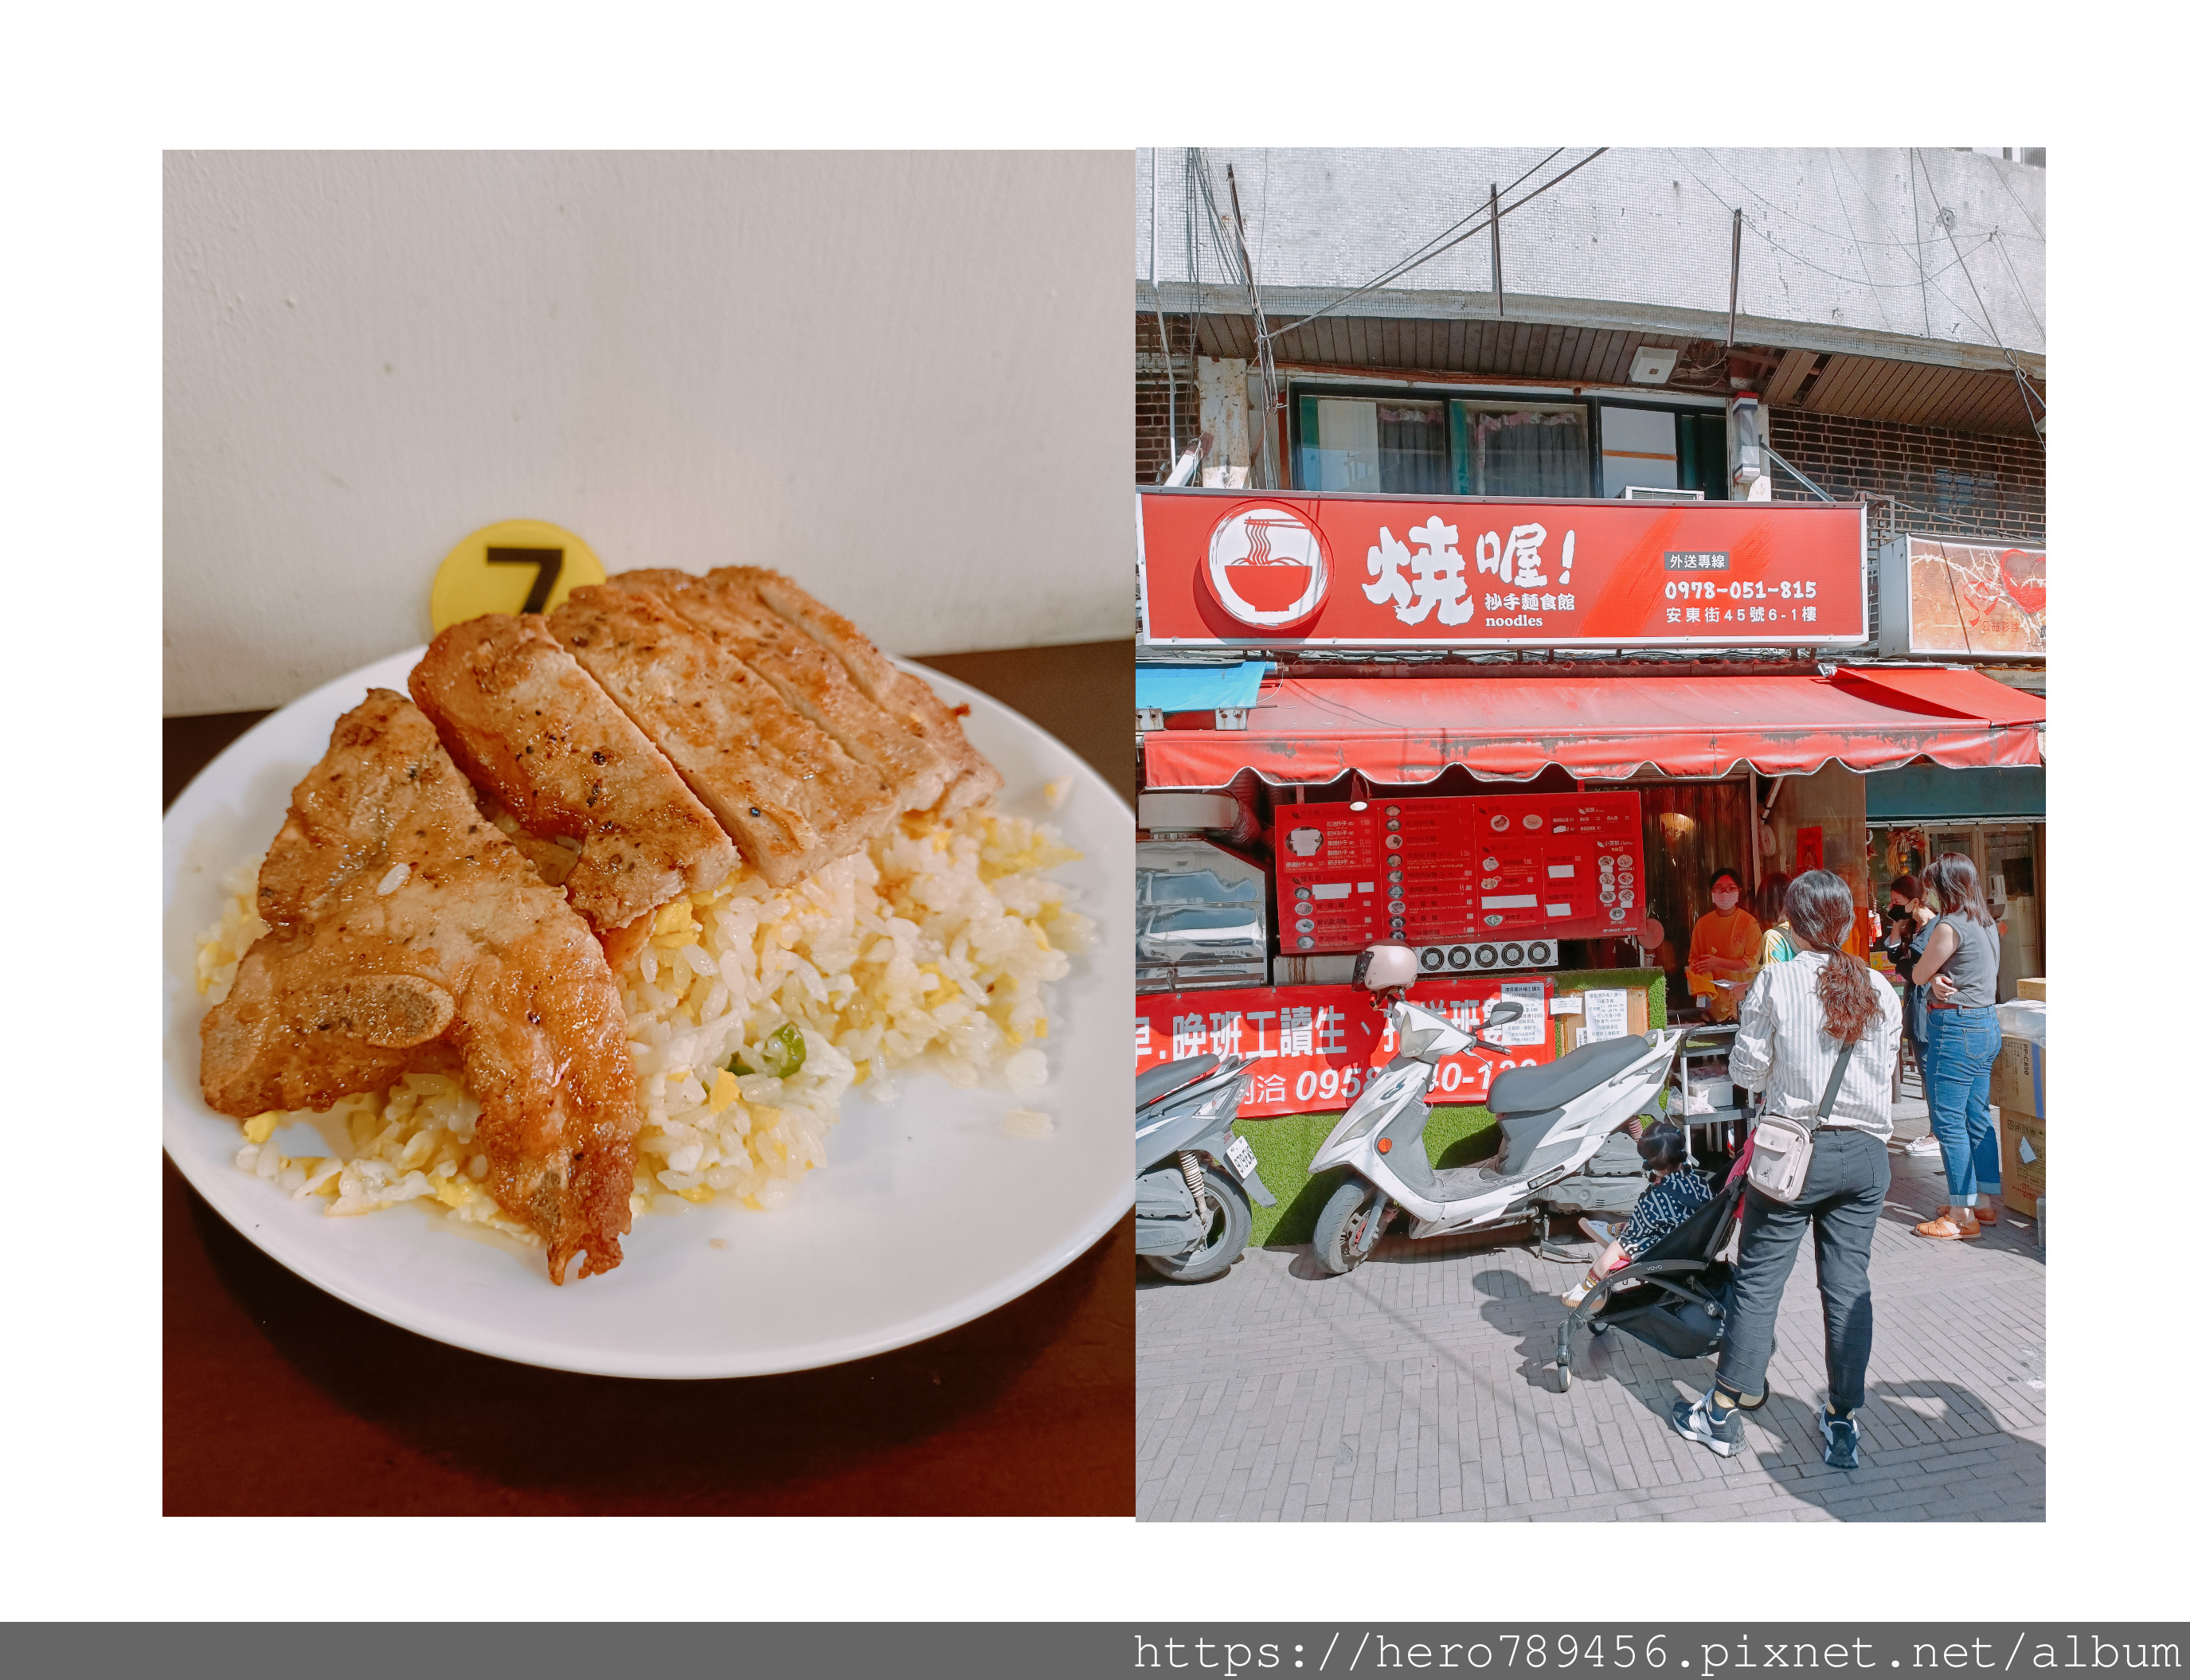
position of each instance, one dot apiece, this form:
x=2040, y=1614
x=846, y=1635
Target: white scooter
x=1554, y=1122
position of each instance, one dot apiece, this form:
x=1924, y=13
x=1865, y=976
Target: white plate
x=928, y=1214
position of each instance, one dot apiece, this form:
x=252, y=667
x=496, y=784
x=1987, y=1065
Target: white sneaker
x=1920, y=1146
x=1574, y=1297
x=1598, y=1231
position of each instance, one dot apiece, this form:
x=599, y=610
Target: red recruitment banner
x=1315, y=1047
x=1273, y=569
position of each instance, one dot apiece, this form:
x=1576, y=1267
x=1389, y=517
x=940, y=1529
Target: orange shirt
x=1736, y=937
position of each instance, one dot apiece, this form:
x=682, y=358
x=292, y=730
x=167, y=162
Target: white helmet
x=1385, y=966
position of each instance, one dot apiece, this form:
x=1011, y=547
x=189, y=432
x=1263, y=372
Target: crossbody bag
x=1781, y=1147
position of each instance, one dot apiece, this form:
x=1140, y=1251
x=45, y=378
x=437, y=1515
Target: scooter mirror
x=1505, y=1010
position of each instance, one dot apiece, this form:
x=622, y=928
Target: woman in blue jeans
x=1959, y=975
x=1797, y=1018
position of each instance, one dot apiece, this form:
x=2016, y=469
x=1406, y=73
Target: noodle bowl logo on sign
x=1266, y=566
x=1263, y=568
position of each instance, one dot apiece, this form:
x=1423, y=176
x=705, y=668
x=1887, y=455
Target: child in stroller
x=1669, y=1290
x=1676, y=1190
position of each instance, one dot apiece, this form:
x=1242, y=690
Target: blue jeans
x=1958, y=1058
x=1840, y=1200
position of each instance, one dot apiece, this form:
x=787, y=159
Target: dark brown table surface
x=280, y=1399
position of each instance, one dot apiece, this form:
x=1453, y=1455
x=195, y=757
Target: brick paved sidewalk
x=1420, y=1386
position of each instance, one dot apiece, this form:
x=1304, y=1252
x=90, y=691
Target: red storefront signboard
x=1501, y=866
x=1274, y=569
x=1313, y=1048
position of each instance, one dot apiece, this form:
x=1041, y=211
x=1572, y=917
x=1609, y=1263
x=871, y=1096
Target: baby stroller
x=1674, y=1298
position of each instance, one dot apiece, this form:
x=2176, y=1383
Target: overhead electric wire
x=1447, y=244
x=1914, y=253
x=1844, y=279
x=2019, y=292
x=1814, y=227
x=2023, y=384
x=1833, y=174
x=1422, y=252
x=2009, y=191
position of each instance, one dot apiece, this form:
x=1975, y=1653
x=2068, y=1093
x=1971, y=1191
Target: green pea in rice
x=931, y=951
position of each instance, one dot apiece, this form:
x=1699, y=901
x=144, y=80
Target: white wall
x=1847, y=239
x=904, y=377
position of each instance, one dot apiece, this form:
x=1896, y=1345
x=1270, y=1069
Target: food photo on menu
x=592, y=942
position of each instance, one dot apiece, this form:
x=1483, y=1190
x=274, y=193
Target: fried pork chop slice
x=788, y=794
x=902, y=695
x=407, y=932
x=812, y=680
x=523, y=719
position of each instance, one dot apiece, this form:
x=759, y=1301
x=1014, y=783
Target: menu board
x=1498, y=866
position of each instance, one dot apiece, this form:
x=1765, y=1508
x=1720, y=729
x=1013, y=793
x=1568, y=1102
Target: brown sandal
x=1986, y=1216
x=1947, y=1227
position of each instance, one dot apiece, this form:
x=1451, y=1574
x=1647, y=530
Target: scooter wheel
x=1564, y=1380
x=1348, y=1227
x=1232, y=1223
x=1597, y=1327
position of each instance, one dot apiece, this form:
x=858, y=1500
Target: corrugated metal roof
x=1918, y=394
x=1871, y=387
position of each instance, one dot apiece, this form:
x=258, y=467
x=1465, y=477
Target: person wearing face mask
x=1724, y=950
x=1908, y=922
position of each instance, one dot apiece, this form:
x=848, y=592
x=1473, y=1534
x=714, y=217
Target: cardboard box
x=2018, y=1076
x=1567, y=1022
x=2022, y=1159
x=2031, y=988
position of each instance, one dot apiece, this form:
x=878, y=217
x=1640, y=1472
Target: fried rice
x=752, y=1010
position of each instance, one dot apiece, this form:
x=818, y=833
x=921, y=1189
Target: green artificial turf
x=1285, y=1143
x=1457, y=1135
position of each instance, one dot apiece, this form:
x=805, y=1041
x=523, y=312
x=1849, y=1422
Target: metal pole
x=1733, y=287
x=1261, y=330
x=1163, y=332
x=1755, y=843
x=1497, y=255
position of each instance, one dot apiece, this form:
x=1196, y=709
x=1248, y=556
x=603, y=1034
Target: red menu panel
x=1514, y=866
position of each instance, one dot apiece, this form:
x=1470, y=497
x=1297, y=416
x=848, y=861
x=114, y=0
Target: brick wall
x=1151, y=398
x=1944, y=483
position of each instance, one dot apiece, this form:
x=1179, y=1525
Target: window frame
x=1301, y=390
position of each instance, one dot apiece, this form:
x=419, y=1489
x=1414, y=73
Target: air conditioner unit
x=1638, y=493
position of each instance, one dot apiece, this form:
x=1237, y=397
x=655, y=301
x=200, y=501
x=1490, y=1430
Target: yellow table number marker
x=519, y=565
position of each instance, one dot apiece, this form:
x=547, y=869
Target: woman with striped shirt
x=1798, y=1017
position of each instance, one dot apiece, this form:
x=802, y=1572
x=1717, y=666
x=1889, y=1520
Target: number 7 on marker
x=550, y=562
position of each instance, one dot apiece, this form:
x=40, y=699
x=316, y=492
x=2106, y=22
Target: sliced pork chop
x=788, y=794
x=812, y=680
x=902, y=695
x=524, y=720
x=408, y=934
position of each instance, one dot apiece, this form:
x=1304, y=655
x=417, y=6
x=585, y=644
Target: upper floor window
x=1523, y=448
x=1504, y=446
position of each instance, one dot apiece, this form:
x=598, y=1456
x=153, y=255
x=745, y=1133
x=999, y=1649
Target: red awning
x=1399, y=730
x=1946, y=693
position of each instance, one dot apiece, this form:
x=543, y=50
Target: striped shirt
x=1782, y=1049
